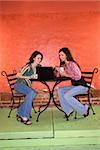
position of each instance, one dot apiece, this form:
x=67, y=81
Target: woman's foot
x=87, y=113
x=24, y=120
x=18, y=117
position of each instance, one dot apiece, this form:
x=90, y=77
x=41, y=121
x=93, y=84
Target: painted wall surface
x=22, y=33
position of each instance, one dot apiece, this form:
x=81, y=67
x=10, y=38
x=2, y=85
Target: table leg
x=47, y=105
x=52, y=93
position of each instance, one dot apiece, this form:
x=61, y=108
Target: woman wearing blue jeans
x=24, y=85
x=69, y=68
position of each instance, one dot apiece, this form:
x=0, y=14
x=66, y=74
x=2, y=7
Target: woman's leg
x=24, y=109
x=65, y=106
x=73, y=102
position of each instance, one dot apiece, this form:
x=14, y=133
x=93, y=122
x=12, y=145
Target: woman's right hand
x=34, y=76
x=57, y=71
x=57, y=68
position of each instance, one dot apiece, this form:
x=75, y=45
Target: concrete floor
x=52, y=132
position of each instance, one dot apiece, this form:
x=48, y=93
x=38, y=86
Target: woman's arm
x=74, y=71
x=22, y=71
x=19, y=75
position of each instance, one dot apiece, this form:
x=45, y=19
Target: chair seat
x=88, y=77
x=82, y=94
x=18, y=95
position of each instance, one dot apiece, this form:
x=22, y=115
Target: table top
x=54, y=79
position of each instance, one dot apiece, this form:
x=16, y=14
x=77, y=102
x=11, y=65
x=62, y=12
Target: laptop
x=45, y=73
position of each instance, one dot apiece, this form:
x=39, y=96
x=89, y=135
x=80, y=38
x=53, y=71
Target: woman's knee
x=67, y=96
x=33, y=93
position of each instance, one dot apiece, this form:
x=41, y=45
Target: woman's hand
x=56, y=71
x=63, y=74
x=56, y=68
x=34, y=76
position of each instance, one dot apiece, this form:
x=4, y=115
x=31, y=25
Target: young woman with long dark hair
x=24, y=85
x=70, y=68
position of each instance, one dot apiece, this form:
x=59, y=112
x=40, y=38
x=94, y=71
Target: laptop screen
x=45, y=73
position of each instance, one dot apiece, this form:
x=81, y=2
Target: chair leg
x=67, y=119
x=75, y=115
x=34, y=108
x=92, y=109
x=90, y=105
x=12, y=99
x=10, y=112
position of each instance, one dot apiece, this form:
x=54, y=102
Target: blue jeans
x=69, y=102
x=24, y=109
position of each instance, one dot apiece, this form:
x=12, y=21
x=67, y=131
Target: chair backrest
x=88, y=76
x=11, y=79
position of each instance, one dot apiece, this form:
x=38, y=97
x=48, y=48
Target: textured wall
x=21, y=34
x=42, y=98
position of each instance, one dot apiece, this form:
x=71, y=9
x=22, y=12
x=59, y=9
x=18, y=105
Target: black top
x=79, y=82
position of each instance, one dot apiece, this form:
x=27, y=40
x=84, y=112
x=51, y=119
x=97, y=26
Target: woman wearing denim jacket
x=69, y=68
x=24, y=85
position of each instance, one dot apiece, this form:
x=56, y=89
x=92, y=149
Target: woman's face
x=62, y=56
x=38, y=59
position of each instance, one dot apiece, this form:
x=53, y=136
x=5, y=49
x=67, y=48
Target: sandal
x=18, y=117
x=27, y=122
x=85, y=115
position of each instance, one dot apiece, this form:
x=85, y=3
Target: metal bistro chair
x=11, y=79
x=88, y=77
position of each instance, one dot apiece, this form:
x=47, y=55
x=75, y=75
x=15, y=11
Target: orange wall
x=22, y=33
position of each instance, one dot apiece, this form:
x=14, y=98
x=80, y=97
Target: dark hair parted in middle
x=34, y=54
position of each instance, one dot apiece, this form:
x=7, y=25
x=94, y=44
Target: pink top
x=73, y=70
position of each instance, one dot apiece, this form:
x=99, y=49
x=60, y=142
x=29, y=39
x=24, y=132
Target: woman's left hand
x=63, y=74
x=34, y=76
